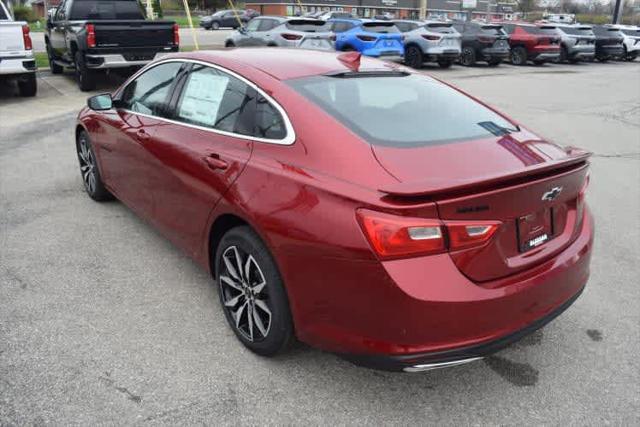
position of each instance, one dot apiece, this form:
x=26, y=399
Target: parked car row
x=444, y=42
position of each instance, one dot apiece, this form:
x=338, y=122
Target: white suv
x=16, y=53
x=631, y=41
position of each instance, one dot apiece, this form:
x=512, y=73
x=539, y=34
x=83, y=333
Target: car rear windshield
x=104, y=10
x=492, y=30
x=380, y=27
x=440, y=28
x=549, y=31
x=307, y=25
x=402, y=110
x=577, y=31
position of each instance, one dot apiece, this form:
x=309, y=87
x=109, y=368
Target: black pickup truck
x=93, y=35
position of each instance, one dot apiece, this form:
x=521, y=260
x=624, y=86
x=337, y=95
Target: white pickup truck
x=16, y=53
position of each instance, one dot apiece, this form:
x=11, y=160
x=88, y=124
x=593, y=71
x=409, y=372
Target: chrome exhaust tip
x=440, y=365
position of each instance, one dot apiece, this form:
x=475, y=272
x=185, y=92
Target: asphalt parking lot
x=102, y=320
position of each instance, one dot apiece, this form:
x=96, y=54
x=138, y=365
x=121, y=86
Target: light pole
x=422, y=14
x=617, y=12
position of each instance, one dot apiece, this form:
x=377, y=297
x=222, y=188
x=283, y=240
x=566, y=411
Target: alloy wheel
x=244, y=292
x=87, y=164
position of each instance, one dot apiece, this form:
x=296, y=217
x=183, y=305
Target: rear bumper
x=439, y=53
x=610, y=51
x=122, y=60
x=423, y=311
x=443, y=359
x=492, y=53
x=582, y=52
x=545, y=56
x=17, y=65
x=384, y=53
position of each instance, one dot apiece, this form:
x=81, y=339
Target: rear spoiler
x=436, y=187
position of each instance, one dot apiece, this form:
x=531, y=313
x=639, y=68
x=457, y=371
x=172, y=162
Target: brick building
x=451, y=9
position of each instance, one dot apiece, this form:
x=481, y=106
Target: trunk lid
x=530, y=186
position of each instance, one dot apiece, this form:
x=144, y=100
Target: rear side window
x=402, y=111
x=217, y=100
x=147, y=94
x=3, y=15
x=380, y=27
x=340, y=27
x=269, y=123
x=103, y=10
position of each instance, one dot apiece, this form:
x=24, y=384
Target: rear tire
x=256, y=307
x=89, y=171
x=413, y=57
x=445, y=63
x=28, y=86
x=518, y=56
x=468, y=57
x=348, y=48
x=55, y=68
x=85, y=77
x=229, y=44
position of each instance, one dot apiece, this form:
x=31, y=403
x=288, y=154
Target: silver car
x=284, y=32
x=577, y=43
x=429, y=42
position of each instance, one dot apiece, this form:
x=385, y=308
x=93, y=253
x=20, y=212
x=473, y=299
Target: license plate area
x=534, y=229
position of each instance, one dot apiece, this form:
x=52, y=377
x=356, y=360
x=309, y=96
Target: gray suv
x=284, y=32
x=577, y=43
x=429, y=42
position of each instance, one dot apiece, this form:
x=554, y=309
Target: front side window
x=254, y=24
x=267, y=24
x=402, y=111
x=148, y=93
x=216, y=100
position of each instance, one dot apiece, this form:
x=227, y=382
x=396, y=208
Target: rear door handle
x=215, y=162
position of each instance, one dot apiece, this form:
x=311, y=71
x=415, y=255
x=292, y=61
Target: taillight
x=176, y=34
x=393, y=236
x=290, y=37
x=366, y=38
x=91, y=35
x=430, y=37
x=464, y=234
x=580, y=200
x=26, y=38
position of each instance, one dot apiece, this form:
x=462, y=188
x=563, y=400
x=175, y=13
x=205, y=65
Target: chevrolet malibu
x=348, y=203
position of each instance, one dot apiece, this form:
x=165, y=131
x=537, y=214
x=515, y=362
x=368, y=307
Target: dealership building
x=452, y=9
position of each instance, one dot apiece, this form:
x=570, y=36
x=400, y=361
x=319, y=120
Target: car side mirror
x=101, y=102
x=242, y=30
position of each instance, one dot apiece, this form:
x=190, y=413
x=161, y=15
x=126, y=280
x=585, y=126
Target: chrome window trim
x=289, y=138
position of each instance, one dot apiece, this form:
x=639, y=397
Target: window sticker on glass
x=202, y=96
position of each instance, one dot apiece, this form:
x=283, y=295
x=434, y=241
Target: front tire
x=252, y=293
x=229, y=44
x=28, y=86
x=89, y=171
x=55, y=68
x=468, y=57
x=215, y=25
x=518, y=56
x=85, y=77
x=413, y=57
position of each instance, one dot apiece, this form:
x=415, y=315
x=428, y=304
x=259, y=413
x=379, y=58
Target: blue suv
x=367, y=36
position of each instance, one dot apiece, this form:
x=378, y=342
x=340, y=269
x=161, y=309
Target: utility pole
x=617, y=12
x=422, y=14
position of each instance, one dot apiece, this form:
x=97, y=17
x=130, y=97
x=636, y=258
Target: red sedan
x=355, y=205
